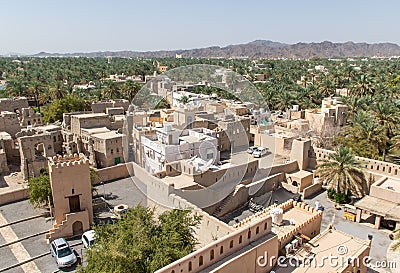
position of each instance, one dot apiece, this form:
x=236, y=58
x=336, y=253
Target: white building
x=171, y=145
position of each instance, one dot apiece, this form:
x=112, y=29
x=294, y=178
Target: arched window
x=190, y=266
x=257, y=230
x=212, y=254
x=200, y=260
x=231, y=244
x=265, y=226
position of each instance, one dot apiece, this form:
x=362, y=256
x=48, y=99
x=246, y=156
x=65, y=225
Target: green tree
x=396, y=245
x=40, y=189
x=140, y=243
x=343, y=173
x=71, y=103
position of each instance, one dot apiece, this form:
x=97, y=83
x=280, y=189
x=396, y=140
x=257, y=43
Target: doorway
x=77, y=228
x=74, y=203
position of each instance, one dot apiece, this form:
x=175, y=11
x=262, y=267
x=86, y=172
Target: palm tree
x=284, y=100
x=184, y=99
x=396, y=245
x=343, y=173
x=388, y=117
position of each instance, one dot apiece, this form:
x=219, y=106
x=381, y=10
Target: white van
x=260, y=152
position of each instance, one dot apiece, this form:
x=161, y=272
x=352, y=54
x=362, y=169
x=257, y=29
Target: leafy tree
x=343, y=173
x=70, y=103
x=140, y=243
x=40, y=189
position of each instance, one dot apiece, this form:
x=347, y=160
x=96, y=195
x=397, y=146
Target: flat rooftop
x=108, y=135
x=391, y=184
x=293, y=214
x=325, y=244
x=90, y=115
x=95, y=130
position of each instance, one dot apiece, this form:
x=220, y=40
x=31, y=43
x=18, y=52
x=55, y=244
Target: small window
x=200, y=260
x=249, y=234
x=190, y=266
x=257, y=230
x=212, y=254
x=231, y=244
x=221, y=250
x=112, y=151
x=265, y=226
x=240, y=239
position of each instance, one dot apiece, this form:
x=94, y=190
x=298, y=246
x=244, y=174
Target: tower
x=72, y=195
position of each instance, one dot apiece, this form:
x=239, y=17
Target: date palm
x=396, y=245
x=343, y=173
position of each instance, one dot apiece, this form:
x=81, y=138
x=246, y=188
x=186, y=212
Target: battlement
x=285, y=207
x=68, y=160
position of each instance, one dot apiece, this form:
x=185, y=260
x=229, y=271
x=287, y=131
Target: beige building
x=107, y=148
x=9, y=122
x=233, y=133
x=13, y=104
x=313, y=257
x=35, y=145
x=102, y=106
x=382, y=203
x=72, y=196
x=28, y=117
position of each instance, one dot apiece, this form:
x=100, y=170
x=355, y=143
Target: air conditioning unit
x=295, y=244
x=288, y=248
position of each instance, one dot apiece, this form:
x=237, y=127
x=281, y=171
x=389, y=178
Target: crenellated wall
x=221, y=248
x=370, y=165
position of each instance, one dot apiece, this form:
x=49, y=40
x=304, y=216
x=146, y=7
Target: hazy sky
x=32, y=26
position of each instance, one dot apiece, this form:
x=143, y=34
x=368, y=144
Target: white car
x=260, y=152
x=251, y=149
x=88, y=238
x=63, y=253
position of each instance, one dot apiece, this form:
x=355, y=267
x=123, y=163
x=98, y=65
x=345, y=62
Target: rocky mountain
x=261, y=49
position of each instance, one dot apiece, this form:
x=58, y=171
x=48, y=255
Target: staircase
x=56, y=227
x=219, y=211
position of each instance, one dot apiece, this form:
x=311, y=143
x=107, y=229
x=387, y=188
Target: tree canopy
x=140, y=243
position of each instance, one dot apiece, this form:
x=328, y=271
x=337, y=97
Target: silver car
x=63, y=253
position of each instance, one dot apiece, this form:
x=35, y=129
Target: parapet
x=68, y=160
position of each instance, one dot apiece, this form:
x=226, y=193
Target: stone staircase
x=219, y=211
x=56, y=227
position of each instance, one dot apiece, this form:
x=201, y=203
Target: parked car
x=88, y=238
x=251, y=149
x=63, y=253
x=260, y=152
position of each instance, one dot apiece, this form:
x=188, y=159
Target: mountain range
x=258, y=49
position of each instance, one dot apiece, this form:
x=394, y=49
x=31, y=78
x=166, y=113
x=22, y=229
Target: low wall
x=14, y=195
x=112, y=173
x=221, y=248
x=289, y=187
x=312, y=189
x=370, y=165
x=288, y=167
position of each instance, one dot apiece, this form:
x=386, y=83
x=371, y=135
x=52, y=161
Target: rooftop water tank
x=277, y=215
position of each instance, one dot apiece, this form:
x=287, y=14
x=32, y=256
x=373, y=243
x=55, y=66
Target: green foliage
x=40, y=189
x=342, y=173
x=70, y=103
x=141, y=244
x=340, y=198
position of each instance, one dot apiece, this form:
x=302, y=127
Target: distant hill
x=261, y=49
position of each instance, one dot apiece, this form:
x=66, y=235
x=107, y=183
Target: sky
x=63, y=26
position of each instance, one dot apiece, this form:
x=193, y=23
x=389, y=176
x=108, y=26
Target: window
x=231, y=244
x=249, y=234
x=200, y=260
x=265, y=226
x=240, y=239
x=257, y=230
x=112, y=151
x=221, y=250
x=212, y=254
x=190, y=266
x=117, y=150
